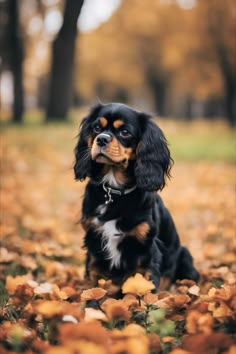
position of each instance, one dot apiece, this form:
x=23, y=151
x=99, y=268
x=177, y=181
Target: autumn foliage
x=45, y=301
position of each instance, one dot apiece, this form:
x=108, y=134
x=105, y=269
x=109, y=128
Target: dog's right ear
x=83, y=161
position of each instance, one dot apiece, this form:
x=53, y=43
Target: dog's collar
x=109, y=191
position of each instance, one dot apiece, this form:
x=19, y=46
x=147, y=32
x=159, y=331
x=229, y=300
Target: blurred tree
x=12, y=47
x=218, y=29
x=63, y=50
x=147, y=52
x=160, y=53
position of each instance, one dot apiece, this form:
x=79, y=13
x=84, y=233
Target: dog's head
x=124, y=144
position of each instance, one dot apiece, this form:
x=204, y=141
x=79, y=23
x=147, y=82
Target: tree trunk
x=217, y=19
x=16, y=61
x=229, y=78
x=230, y=92
x=63, y=50
x=158, y=86
x=230, y=102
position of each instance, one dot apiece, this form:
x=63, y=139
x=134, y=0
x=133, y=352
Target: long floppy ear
x=153, y=162
x=83, y=162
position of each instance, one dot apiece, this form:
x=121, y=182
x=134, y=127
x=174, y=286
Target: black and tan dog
x=128, y=229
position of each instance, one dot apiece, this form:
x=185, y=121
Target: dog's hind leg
x=185, y=268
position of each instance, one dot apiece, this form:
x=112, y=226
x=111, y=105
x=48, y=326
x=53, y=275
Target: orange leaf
x=179, y=351
x=93, y=294
x=168, y=339
x=118, y=310
x=68, y=291
x=91, y=331
x=181, y=300
x=150, y=298
x=137, y=285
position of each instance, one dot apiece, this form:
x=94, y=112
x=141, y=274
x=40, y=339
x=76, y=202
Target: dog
x=128, y=228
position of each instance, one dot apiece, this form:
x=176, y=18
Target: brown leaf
x=154, y=343
x=118, y=311
x=207, y=343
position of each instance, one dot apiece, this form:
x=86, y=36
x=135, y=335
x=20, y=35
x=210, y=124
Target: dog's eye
x=124, y=133
x=97, y=129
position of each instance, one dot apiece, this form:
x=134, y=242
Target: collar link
x=109, y=191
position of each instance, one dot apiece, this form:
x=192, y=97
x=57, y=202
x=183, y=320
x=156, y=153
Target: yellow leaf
x=49, y=308
x=220, y=311
x=13, y=282
x=59, y=350
x=137, y=285
x=138, y=345
x=133, y=330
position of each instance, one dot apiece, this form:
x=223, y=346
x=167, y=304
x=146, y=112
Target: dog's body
x=128, y=229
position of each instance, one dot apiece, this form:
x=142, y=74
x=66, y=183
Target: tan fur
x=90, y=141
x=118, y=123
x=86, y=223
x=103, y=122
x=140, y=231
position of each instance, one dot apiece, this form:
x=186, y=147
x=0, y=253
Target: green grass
x=211, y=146
x=200, y=140
x=189, y=141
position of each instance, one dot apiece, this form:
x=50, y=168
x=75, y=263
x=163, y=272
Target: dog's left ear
x=153, y=162
x=83, y=162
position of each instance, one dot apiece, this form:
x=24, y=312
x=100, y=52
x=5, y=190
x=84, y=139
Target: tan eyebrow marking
x=118, y=123
x=103, y=122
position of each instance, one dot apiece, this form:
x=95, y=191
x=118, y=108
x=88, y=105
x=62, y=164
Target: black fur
x=155, y=246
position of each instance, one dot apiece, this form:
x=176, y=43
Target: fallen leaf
x=137, y=285
x=194, y=290
x=94, y=314
x=93, y=294
x=13, y=282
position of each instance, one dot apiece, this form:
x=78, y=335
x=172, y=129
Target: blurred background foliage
x=175, y=58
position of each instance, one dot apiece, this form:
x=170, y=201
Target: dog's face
x=116, y=138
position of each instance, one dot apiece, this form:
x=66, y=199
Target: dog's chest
x=111, y=237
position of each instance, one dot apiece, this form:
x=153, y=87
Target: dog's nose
x=103, y=139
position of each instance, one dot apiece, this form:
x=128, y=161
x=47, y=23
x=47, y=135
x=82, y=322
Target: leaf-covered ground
x=42, y=291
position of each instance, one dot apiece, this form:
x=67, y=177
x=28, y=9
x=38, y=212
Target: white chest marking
x=111, y=180
x=111, y=238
